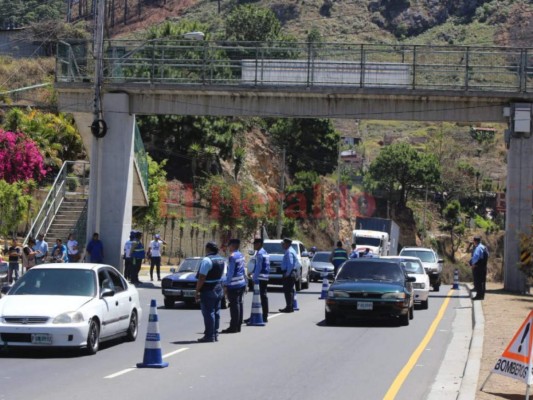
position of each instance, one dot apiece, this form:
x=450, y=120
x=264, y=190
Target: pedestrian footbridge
x=305, y=80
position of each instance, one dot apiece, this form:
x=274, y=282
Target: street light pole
x=281, y=198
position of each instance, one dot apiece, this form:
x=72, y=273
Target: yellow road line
x=406, y=370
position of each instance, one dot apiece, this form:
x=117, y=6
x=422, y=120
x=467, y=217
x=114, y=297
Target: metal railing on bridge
x=415, y=67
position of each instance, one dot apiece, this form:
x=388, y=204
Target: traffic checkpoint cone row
x=325, y=287
x=152, y=348
x=456, y=279
x=256, y=318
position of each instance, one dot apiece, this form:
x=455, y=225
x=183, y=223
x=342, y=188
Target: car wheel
x=404, y=319
x=425, y=305
x=133, y=328
x=331, y=319
x=298, y=284
x=169, y=302
x=412, y=312
x=93, y=337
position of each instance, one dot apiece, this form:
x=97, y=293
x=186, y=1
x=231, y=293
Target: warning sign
x=515, y=361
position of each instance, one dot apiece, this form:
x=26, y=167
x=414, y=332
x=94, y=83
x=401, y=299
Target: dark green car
x=371, y=288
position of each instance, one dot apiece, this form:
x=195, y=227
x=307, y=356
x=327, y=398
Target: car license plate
x=189, y=293
x=41, y=338
x=364, y=305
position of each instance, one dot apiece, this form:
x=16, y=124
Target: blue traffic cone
x=456, y=279
x=152, y=348
x=325, y=287
x=256, y=318
x=295, y=303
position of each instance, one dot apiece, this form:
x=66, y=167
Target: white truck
x=379, y=235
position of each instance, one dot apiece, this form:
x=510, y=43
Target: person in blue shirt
x=261, y=274
x=59, y=252
x=289, y=266
x=478, y=262
x=41, y=249
x=354, y=253
x=209, y=291
x=95, y=249
x=235, y=286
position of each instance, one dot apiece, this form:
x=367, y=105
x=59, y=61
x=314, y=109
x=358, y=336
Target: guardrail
x=186, y=62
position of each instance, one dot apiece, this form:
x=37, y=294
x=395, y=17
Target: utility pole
x=281, y=197
x=338, y=189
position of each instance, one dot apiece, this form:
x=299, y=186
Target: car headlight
x=68, y=318
x=338, y=294
x=419, y=285
x=396, y=295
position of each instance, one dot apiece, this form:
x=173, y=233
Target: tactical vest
x=214, y=275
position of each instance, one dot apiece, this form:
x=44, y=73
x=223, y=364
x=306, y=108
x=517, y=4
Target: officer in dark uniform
x=209, y=291
x=288, y=268
x=337, y=257
x=261, y=275
x=235, y=286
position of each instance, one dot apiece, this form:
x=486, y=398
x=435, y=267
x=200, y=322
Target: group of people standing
x=210, y=289
x=134, y=254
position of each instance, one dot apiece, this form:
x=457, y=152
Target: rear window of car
x=321, y=257
x=424, y=255
x=375, y=271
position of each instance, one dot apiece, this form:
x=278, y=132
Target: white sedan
x=414, y=267
x=69, y=305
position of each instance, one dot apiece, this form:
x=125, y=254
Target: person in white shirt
x=128, y=262
x=154, y=253
x=73, y=252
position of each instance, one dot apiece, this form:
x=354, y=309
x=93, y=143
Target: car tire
x=412, y=312
x=169, y=302
x=404, y=319
x=330, y=318
x=424, y=305
x=133, y=328
x=298, y=284
x=93, y=337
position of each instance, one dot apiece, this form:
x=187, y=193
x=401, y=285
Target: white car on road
x=413, y=266
x=69, y=305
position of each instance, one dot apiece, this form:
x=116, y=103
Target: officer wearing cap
x=288, y=268
x=209, y=291
x=128, y=263
x=154, y=253
x=478, y=262
x=235, y=286
x=261, y=274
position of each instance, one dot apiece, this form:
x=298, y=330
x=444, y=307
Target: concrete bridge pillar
x=519, y=195
x=111, y=180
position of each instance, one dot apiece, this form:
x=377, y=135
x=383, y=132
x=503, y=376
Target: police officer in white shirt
x=154, y=252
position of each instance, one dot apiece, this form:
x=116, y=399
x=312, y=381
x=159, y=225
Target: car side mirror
x=411, y=279
x=108, y=292
x=251, y=252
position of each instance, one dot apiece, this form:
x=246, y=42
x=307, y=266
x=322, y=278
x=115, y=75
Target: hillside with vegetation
x=456, y=171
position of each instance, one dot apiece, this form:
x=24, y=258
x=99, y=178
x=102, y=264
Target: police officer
x=261, y=273
x=478, y=262
x=128, y=263
x=337, y=257
x=288, y=268
x=137, y=257
x=235, y=286
x=209, y=291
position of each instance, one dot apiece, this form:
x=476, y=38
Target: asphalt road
x=294, y=357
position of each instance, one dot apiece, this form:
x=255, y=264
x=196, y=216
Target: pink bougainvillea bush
x=20, y=158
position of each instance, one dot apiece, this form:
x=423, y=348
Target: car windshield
x=367, y=241
x=190, y=265
x=275, y=248
x=321, y=257
x=375, y=271
x=56, y=281
x=424, y=255
x=413, y=266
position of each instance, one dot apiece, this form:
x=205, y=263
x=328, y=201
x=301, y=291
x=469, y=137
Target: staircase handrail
x=51, y=203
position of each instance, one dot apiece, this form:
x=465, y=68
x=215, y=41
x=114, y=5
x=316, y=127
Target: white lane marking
x=275, y=315
x=125, y=371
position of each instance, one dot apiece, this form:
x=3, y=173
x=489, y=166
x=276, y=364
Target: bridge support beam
x=519, y=199
x=111, y=180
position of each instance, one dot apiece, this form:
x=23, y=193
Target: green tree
x=157, y=188
x=250, y=23
x=14, y=206
x=399, y=168
x=452, y=215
